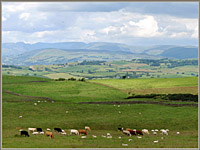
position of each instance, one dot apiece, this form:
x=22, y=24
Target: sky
x=131, y=23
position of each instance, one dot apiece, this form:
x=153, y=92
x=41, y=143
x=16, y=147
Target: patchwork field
x=60, y=104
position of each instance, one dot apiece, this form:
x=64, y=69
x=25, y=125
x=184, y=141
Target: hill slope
x=51, y=53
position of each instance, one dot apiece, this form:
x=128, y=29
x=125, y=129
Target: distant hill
x=181, y=52
x=51, y=53
x=60, y=56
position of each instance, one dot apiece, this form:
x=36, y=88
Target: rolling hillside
x=53, y=53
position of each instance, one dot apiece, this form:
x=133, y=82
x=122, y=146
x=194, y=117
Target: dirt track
x=34, y=97
x=140, y=102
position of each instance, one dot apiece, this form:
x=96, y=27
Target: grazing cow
x=39, y=129
x=120, y=129
x=58, y=130
x=50, y=134
x=73, y=131
x=82, y=132
x=132, y=132
x=24, y=133
x=126, y=132
x=87, y=128
x=138, y=132
x=145, y=131
x=31, y=129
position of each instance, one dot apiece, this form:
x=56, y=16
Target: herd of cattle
x=127, y=131
x=36, y=131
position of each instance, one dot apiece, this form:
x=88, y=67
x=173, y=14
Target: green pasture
x=60, y=75
x=153, y=85
x=102, y=118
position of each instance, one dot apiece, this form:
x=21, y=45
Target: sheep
x=94, y=136
x=154, y=133
x=156, y=130
x=145, y=131
x=35, y=104
x=130, y=139
x=87, y=128
x=155, y=141
x=103, y=136
x=124, y=144
x=109, y=137
x=177, y=132
x=83, y=137
x=35, y=133
x=108, y=134
x=41, y=132
x=48, y=129
x=74, y=131
x=20, y=117
x=164, y=132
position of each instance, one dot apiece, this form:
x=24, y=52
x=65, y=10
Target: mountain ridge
x=50, y=53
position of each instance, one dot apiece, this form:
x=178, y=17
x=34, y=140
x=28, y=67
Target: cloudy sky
x=132, y=23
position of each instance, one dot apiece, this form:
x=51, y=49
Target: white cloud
x=108, y=30
x=41, y=24
x=24, y=16
x=179, y=35
x=4, y=18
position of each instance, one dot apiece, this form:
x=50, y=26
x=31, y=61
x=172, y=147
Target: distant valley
x=57, y=53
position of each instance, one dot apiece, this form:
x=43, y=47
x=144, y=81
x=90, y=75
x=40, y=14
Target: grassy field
x=154, y=85
x=102, y=118
x=115, y=69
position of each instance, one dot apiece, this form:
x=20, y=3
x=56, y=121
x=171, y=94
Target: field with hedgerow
x=103, y=106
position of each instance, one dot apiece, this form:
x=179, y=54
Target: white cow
x=74, y=131
x=126, y=132
x=31, y=129
x=87, y=128
x=145, y=131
